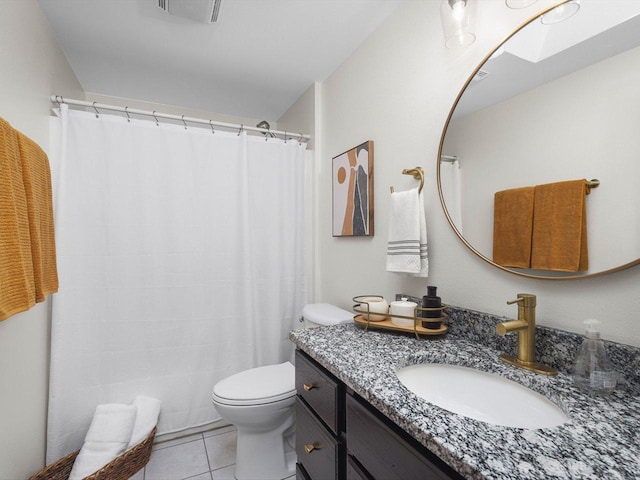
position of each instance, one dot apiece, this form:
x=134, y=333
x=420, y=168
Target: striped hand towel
x=407, y=245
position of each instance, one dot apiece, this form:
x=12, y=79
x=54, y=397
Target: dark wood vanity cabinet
x=384, y=451
x=340, y=436
x=320, y=422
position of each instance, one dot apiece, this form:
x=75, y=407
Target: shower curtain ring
x=128, y=117
x=59, y=99
x=211, y=125
x=285, y=136
x=97, y=112
x=300, y=139
x=241, y=129
x=185, y=123
x=154, y=116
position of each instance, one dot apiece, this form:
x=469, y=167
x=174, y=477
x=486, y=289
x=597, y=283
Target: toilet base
x=264, y=417
x=258, y=457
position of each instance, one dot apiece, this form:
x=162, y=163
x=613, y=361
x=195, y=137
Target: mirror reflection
x=554, y=103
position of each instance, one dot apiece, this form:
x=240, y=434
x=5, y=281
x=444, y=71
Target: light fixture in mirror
x=516, y=4
x=561, y=13
x=553, y=107
x=458, y=19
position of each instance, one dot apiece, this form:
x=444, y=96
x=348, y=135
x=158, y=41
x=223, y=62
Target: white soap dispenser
x=592, y=371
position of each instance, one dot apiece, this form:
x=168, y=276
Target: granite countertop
x=601, y=440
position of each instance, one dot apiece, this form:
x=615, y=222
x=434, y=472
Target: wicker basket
x=121, y=468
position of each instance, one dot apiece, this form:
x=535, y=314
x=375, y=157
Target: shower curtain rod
x=180, y=118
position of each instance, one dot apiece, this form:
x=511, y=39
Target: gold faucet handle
x=524, y=300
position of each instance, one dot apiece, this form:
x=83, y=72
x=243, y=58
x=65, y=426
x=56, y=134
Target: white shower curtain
x=450, y=182
x=183, y=258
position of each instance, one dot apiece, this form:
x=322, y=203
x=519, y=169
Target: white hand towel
x=148, y=410
x=407, y=245
x=424, y=258
x=108, y=436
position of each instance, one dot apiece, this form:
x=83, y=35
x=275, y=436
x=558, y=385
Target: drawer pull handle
x=308, y=386
x=314, y=446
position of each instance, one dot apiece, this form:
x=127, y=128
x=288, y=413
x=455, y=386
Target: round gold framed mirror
x=552, y=103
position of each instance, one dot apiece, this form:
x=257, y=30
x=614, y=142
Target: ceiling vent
x=202, y=11
x=482, y=74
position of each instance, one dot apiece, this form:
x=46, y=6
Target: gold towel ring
x=417, y=173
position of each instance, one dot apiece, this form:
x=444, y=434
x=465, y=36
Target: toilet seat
x=257, y=386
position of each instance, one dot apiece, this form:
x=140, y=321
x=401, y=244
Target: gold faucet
x=525, y=325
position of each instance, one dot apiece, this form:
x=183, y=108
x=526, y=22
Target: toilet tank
x=319, y=314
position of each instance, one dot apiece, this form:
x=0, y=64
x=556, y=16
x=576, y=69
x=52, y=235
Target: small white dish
x=403, y=308
x=374, y=305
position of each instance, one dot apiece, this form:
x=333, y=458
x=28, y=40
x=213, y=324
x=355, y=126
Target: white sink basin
x=482, y=396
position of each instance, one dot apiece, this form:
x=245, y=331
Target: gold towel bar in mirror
x=418, y=174
x=591, y=184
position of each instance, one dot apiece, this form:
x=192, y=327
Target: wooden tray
x=418, y=329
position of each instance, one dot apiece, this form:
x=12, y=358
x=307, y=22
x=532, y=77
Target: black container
x=431, y=300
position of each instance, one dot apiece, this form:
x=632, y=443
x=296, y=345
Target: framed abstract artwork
x=352, y=183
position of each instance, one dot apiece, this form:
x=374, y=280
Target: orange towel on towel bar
x=27, y=249
x=17, y=292
x=512, y=227
x=559, y=240
x=37, y=186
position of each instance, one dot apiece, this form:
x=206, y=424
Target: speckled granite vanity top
x=600, y=441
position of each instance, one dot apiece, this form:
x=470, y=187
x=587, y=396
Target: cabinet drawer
x=385, y=454
x=316, y=449
x=300, y=473
x=355, y=471
x=319, y=390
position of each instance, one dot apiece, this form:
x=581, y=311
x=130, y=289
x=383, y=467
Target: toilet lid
x=257, y=385
x=326, y=314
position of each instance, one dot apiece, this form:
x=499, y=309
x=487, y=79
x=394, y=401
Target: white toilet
x=260, y=403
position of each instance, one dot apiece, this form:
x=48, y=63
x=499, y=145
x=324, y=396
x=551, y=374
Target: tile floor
x=203, y=456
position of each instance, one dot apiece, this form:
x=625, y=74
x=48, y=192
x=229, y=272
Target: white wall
x=397, y=90
x=301, y=116
x=33, y=68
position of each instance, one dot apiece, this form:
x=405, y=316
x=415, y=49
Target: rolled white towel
x=107, y=437
x=148, y=410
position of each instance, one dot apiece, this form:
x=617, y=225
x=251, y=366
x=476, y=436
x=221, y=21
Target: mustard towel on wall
x=26, y=224
x=37, y=186
x=542, y=227
x=512, y=226
x=560, y=227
